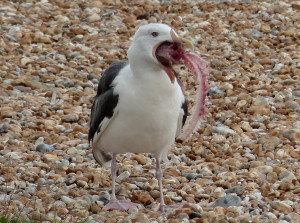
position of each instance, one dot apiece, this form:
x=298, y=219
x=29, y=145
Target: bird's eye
x=154, y=34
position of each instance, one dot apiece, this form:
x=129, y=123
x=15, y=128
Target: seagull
x=140, y=105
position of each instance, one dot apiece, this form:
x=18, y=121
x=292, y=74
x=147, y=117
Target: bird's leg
x=114, y=168
x=159, y=179
x=114, y=203
x=159, y=175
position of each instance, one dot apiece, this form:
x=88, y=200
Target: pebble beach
x=241, y=165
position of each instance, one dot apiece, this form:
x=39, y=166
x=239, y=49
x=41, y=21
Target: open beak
x=176, y=39
x=184, y=43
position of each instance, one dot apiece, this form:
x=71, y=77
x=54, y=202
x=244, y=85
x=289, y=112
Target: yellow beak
x=187, y=43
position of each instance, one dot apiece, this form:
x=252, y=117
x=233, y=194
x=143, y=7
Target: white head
x=147, y=40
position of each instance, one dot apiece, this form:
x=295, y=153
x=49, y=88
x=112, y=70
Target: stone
x=256, y=34
x=215, y=90
x=82, y=183
x=286, y=186
x=292, y=134
x=14, y=128
x=296, y=5
x=280, y=153
x=218, y=192
x=96, y=4
x=290, y=32
x=70, y=118
x=232, y=162
x=272, y=177
x=265, y=169
x=72, y=151
x=293, y=105
x=95, y=209
x=223, y=131
x=68, y=83
x=50, y=157
x=92, y=76
x=246, y=127
x=140, y=159
x=49, y=124
x=259, y=110
x=238, y=190
x=94, y=18
x=241, y=104
x=286, y=176
x=226, y=201
x=271, y=215
x=84, y=146
x=218, y=139
x=145, y=198
x=281, y=207
x=62, y=212
x=122, y=176
x=265, y=28
x=67, y=200
x=4, y=127
x=269, y=143
x=129, y=20
x=192, y=176
x=44, y=148
x=25, y=60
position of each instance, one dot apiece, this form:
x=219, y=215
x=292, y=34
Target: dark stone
x=93, y=76
x=239, y=190
x=104, y=200
x=4, y=127
x=227, y=201
x=192, y=176
x=195, y=215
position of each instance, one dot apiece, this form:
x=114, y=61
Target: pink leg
x=159, y=179
x=114, y=203
x=159, y=175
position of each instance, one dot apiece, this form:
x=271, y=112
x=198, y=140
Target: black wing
x=184, y=107
x=105, y=100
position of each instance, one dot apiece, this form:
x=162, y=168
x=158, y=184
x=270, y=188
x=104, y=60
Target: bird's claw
x=119, y=205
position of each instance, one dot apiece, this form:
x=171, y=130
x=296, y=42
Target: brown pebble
x=130, y=20
x=290, y=32
x=96, y=4
x=78, y=31
x=286, y=186
x=62, y=211
x=145, y=198
x=140, y=158
x=281, y=207
x=95, y=209
x=259, y=110
x=172, y=172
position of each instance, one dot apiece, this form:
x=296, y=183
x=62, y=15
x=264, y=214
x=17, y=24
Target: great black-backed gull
x=140, y=106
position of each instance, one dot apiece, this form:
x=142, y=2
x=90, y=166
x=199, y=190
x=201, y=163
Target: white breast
x=147, y=114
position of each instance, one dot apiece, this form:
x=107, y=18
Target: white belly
x=144, y=122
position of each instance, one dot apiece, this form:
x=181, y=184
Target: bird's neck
x=150, y=73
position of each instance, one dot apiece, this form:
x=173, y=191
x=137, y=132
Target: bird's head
x=159, y=44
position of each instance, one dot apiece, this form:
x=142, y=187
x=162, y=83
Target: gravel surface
x=241, y=166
